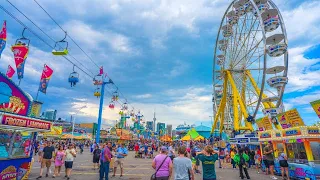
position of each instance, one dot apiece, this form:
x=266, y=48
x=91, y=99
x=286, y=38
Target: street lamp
x=73, y=119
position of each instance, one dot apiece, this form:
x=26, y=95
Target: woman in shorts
x=96, y=157
x=58, y=161
x=70, y=155
x=283, y=161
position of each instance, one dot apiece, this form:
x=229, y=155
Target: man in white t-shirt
x=70, y=155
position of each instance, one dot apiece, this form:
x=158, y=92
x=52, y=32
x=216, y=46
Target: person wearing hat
x=162, y=164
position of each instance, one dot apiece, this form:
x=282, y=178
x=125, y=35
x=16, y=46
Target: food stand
x=18, y=130
x=302, y=146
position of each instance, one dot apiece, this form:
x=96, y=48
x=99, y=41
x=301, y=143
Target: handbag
x=153, y=176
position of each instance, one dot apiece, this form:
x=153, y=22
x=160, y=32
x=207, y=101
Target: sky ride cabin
x=19, y=127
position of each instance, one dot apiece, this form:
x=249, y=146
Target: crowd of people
x=181, y=158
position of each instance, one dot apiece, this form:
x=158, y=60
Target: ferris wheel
x=250, y=65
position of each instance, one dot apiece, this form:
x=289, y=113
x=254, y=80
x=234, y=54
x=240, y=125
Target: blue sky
x=159, y=53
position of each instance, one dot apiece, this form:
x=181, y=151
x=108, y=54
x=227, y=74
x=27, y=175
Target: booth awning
x=192, y=135
x=23, y=123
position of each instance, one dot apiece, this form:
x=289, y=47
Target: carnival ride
x=73, y=78
x=61, y=47
x=250, y=65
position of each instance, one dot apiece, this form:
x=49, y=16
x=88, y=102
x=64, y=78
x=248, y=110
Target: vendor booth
x=18, y=129
x=302, y=146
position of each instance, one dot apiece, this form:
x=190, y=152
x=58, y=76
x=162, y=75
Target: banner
x=3, y=37
x=316, y=106
x=20, y=53
x=25, y=122
x=101, y=70
x=266, y=123
x=259, y=123
x=10, y=72
x=294, y=118
x=45, y=77
x=55, y=131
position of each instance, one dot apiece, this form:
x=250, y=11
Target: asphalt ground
x=134, y=169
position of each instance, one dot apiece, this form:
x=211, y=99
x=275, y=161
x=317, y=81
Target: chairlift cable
x=40, y=38
x=67, y=34
x=47, y=34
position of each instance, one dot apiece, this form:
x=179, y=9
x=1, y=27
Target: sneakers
x=273, y=177
x=39, y=177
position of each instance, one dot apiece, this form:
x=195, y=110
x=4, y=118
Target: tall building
x=169, y=129
x=154, y=121
x=174, y=133
x=50, y=115
x=150, y=125
x=161, y=127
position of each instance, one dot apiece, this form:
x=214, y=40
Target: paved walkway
x=134, y=169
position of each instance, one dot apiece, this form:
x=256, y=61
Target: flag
x=101, y=70
x=45, y=77
x=10, y=72
x=3, y=37
x=20, y=53
x=316, y=106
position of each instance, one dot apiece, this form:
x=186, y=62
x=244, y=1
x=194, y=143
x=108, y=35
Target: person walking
x=257, y=160
x=182, y=165
x=162, y=164
x=268, y=153
x=96, y=157
x=232, y=154
x=208, y=157
x=242, y=159
x=171, y=152
x=121, y=153
x=283, y=161
x=58, y=161
x=105, y=162
x=70, y=155
x=46, y=158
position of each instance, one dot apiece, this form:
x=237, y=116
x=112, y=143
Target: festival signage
x=265, y=135
x=283, y=120
x=12, y=98
x=266, y=123
x=45, y=77
x=3, y=37
x=294, y=118
x=292, y=132
x=259, y=123
x=10, y=72
x=313, y=130
x=55, y=131
x=316, y=106
x=243, y=140
x=20, y=53
x=17, y=121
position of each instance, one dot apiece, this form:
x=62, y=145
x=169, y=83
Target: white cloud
x=179, y=68
x=144, y=96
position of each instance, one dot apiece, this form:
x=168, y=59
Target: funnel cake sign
x=25, y=122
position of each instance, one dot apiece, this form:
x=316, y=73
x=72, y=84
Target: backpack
x=97, y=154
x=242, y=161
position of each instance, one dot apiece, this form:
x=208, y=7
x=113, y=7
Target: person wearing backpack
x=96, y=157
x=241, y=159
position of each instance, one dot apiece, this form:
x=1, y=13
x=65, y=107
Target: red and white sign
x=25, y=122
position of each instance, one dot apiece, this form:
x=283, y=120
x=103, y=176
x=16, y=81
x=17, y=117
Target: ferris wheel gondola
x=250, y=65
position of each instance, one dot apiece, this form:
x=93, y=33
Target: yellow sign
x=259, y=123
x=283, y=120
x=294, y=118
x=316, y=106
x=266, y=123
x=55, y=131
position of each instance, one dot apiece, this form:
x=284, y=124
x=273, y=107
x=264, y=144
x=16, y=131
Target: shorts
x=283, y=163
x=118, y=161
x=96, y=160
x=45, y=163
x=257, y=162
x=265, y=162
x=271, y=163
x=68, y=164
x=221, y=157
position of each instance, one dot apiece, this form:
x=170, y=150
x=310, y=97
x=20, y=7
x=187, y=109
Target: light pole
x=103, y=84
x=73, y=120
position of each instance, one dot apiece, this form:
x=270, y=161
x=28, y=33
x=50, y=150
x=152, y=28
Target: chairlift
x=23, y=40
x=111, y=105
x=60, y=51
x=115, y=96
x=97, y=80
x=73, y=78
x=97, y=93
